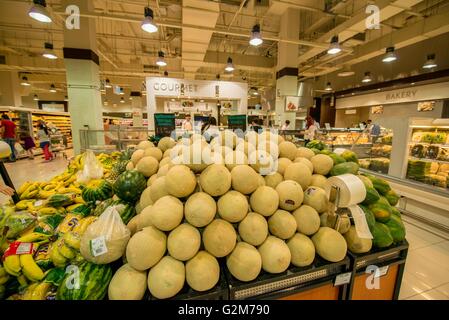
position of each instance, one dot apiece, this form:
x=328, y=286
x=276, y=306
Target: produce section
x=180, y=219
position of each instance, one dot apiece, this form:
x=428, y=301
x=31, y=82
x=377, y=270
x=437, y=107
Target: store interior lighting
x=122, y=100
x=66, y=98
x=52, y=88
x=390, y=55
x=36, y=98
x=367, y=78
x=256, y=37
x=161, y=59
x=107, y=84
x=148, y=24
x=328, y=87
x=430, y=63
x=25, y=82
x=49, y=53
x=229, y=65
x=39, y=12
x=122, y=92
x=334, y=47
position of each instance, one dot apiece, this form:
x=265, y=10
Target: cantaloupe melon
x=159, y=189
x=219, y=238
x=322, y=164
x=245, y=262
x=166, y=278
x=290, y=195
x=316, y=198
x=166, y=154
x=146, y=248
x=261, y=182
x=202, y=271
x=305, y=161
x=215, y=180
x=166, y=143
x=275, y=255
x=165, y=161
x=166, y=213
x=130, y=165
x=127, y=284
x=330, y=221
x=147, y=166
x=307, y=220
x=355, y=243
x=138, y=207
x=264, y=200
x=330, y=244
x=154, y=152
x=137, y=155
x=183, y=242
x=282, y=224
x=320, y=181
x=262, y=162
x=145, y=198
x=245, y=147
x=272, y=180
x=180, y=181
x=269, y=147
x=270, y=135
x=145, y=144
x=302, y=250
x=300, y=173
x=288, y=150
x=234, y=158
x=282, y=164
x=200, y=209
x=196, y=136
x=232, y=206
x=244, y=179
x=228, y=138
x=163, y=170
x=252, y=138
x=304, y=153
x=253, y=229
x=151, y=180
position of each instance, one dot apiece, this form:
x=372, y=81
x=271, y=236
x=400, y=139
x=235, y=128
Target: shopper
x=255, y=125
x=311, y=129
x=187, y=124
x=44, y=141
x=373, y=129
x=210, y=130
x=6, y=190
x=28, y=145
x=8, y=131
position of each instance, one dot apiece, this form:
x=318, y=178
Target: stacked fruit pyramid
x=251, y=205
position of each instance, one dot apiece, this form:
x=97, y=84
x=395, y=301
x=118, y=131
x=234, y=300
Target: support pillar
x=136, y=105
x=83, y=79
x=287, y=71
x=10, y=89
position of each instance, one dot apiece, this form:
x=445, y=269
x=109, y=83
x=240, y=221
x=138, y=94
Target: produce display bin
x=314, y=282
x=391, y=264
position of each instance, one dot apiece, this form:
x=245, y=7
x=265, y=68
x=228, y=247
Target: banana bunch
x=37, y=291
x=65, y=249
x=4, y=275
x=30, y=269
x=78, y=162
x=24, y=204
x=82, y=225
x=28, y=190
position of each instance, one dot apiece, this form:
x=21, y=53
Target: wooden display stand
x=391, y=264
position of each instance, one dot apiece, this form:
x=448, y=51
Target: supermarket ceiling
x=197, y=37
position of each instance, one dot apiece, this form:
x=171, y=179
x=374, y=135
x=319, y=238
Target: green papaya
x=337, y=159
x=345, y=167
x=382, y=237
x=397, y=228
x=372, y=196
x=392, y=197
x=370, y=219
x=326, y=152
x=350, y=156
x=380, y=185
x=395, y=212
x=367, y=182
x=315, y=150
x=381, y=211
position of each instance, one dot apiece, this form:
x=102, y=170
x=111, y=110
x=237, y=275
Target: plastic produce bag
x=92, y=168
x=105, y=240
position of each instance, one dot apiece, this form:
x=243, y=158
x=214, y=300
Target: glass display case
x=378, y=156
x=428, y=160
x=354, y=139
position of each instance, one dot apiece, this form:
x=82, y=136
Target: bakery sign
x=403, y=94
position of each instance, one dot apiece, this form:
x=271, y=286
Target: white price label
x=98, y=246
x=343, y=278
x=361, y=226
x=383, y=271
x=38, y=203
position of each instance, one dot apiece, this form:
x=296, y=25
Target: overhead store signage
x=164, y=124
x=237, y=121
x=434, y=91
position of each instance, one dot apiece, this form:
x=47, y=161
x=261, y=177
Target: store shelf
x=428, y=160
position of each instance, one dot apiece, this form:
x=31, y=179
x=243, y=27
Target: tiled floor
x=427, y=268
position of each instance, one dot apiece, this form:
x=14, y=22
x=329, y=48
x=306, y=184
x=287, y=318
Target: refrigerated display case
x=378, y=156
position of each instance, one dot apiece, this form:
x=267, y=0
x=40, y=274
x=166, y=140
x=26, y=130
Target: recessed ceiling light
x=148, y=24
x=334, y=47
x=122, y=100
x=430, y=63
x=328, y=87
x=367, y=78
x=161, y=59
x=378, y=89
x=346, y=73
x=107, y=84
x=39, y=12
x=256, y=38
x=229, y=65
x=52, y=88
x=390, y=55
x=36, y=98
x=49, y=53
x=25, y=82
x=66, y=98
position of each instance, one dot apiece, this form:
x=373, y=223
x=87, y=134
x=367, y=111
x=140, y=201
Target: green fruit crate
x=390, y=263
x=294, y=281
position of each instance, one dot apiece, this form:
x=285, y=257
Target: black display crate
x=391, y=256
x=294, y=280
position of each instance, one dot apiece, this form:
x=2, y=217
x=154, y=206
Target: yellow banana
x=33, y=237
x=22, y=280
x=12, y=265
x=4, y=279
x=30, y=269
x=57, y=259
x=3, y=272
x=46, y=194
x=72, y=239
x=23, y=204
x=24, y=187
x=47, y=211
x=73, y=207
x=29, y=291
x=66, y=252
x=83, y=224
x=49, y=187
x=80, y=200
x=40, y=291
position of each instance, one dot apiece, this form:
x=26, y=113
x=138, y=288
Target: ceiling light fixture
x=66, y=98
x=229, y=65
x=122, y=92
x=328, y=87
x=49, y=53
x=107, y=84
x=25, y=82
x=367, y=78
x=122, y=100
x=346, y=73
x=390, y=55
x=52, y=88
x=334, y=47
x=256, y=38
x=161, y=59
x=430, y=63
x=36, y=98
x=39, y=12
x=130, y=98
x=148, y=24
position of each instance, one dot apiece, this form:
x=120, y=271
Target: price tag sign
x=98, y=246
x=361, y=226
x=343, y=278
